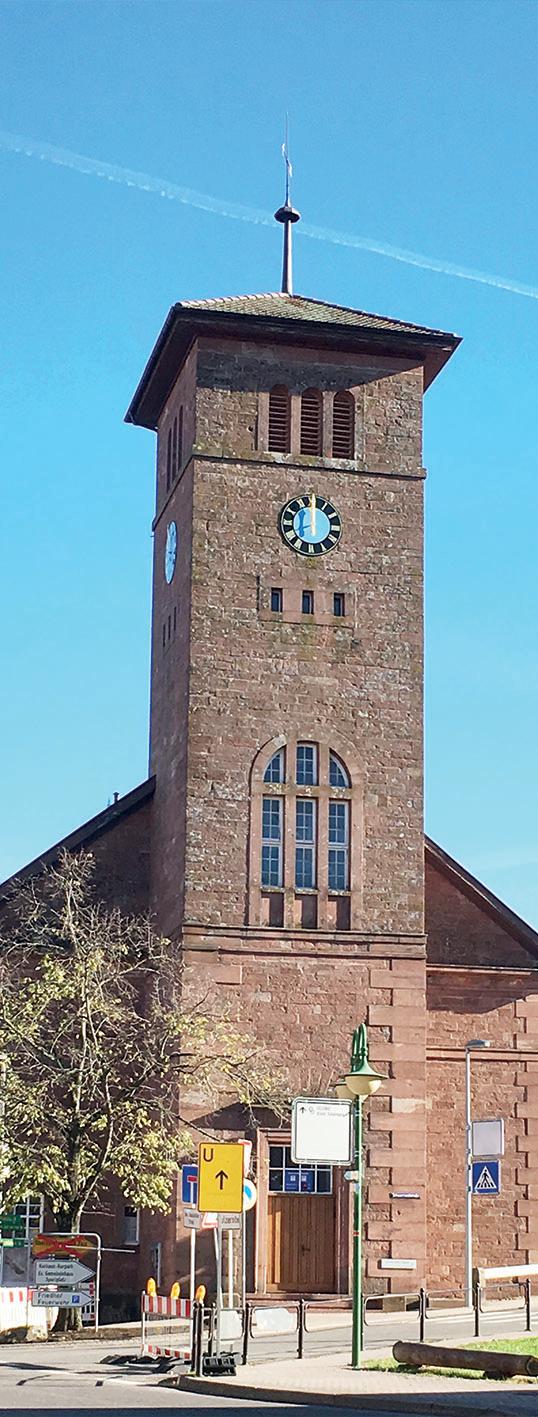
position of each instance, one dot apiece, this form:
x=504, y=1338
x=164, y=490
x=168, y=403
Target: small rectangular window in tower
x=174, y=450
x=339, y=604
x=307, y=603
x=305, y=844
x=180, y=438
x=164, y=633
x=276, y=598
x=169, y=460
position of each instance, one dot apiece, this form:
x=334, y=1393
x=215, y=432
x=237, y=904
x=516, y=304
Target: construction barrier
x=161, y=1329
x=15, y=1312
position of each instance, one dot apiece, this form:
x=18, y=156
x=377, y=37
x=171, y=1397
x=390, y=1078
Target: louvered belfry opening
x=343, y=425
x=311, y=422
x=279, y=420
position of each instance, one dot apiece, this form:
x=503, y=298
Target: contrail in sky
x=111, y=172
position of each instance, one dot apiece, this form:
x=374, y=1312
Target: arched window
x=306, y=816
x=343, y=425
x=338, y=774
x=279, y=420
x=311, y=422
x=274, y=771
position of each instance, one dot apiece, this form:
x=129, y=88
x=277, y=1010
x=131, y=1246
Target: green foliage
x=99, y=1043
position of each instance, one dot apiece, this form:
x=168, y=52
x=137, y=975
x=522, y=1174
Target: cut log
x=429, y=1355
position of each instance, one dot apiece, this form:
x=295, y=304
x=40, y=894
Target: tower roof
x=291, y=318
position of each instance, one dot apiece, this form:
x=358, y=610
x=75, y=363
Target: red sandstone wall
x=251, y=679
x=504, y=1084
x=460, y=930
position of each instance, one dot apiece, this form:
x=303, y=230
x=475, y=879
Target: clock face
x=170, y=551
x=310, y=525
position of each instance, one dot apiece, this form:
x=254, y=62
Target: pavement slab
x=329, y=1381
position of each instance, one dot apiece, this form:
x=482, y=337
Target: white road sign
x=231, y=1221
x=66, y=1272
x=62, y=1298
x=488, y=1138
x=192, y=1219
x=321, y=1131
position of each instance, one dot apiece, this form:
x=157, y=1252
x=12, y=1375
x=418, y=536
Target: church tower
x=287, y=720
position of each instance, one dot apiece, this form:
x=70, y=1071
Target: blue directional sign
x=486, y=1178
x=189, y=1184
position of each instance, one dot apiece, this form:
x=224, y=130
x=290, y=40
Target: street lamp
x=472, y=1045
x=361, y=1082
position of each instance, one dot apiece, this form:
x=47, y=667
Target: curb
x=367, y=1402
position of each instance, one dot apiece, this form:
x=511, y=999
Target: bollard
x=300, y=1329
x=246, y=1331
x=200, y=1350
x=194, y=1344
x=476, y=1297
x=528, y=1304
x=422, y=1303
x=211, y=1336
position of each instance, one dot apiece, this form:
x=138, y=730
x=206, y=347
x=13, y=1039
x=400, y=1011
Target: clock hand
x=313, y=513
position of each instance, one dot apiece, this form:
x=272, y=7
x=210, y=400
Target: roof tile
x=299, y=307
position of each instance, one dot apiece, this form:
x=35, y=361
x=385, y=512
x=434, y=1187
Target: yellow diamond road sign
x=220, y=1176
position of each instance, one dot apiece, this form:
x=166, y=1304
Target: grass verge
x=499, y=1345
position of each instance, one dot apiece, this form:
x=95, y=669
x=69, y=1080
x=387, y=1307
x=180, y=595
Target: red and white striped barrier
x=158, y=1340
x=168, y=1308
x=14, y=1311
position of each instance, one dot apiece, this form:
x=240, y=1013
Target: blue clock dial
x=170, y=552
x=310, y=525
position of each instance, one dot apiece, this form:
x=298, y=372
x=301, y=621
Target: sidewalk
x=329, y=1381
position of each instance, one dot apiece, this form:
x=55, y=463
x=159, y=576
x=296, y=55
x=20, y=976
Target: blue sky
x=412, y=125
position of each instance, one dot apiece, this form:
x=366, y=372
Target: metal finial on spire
x=288, y=216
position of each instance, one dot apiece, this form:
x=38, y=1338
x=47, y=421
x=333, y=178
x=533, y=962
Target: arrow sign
x=220, y=1177
x=67, y=1273
x=63, y=1298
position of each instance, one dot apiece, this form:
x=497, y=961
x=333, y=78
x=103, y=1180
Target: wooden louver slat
x=311, y=422
x=343, y=425
x=279, y=420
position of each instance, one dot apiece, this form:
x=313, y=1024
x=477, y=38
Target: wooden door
x=301, y=1244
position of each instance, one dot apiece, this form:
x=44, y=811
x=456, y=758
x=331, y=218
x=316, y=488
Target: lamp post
x=473, y=1043
x=361, y=1082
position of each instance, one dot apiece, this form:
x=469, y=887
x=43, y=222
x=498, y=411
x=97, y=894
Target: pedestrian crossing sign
x=486, y=1178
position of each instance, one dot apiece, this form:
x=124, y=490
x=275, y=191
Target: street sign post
x=58, y=1253
x=220, y=1173
x=487, y=1138
x=486, y=1178
x=321, y=1131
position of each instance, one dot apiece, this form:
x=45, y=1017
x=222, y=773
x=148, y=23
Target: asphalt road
x=81, y=1377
